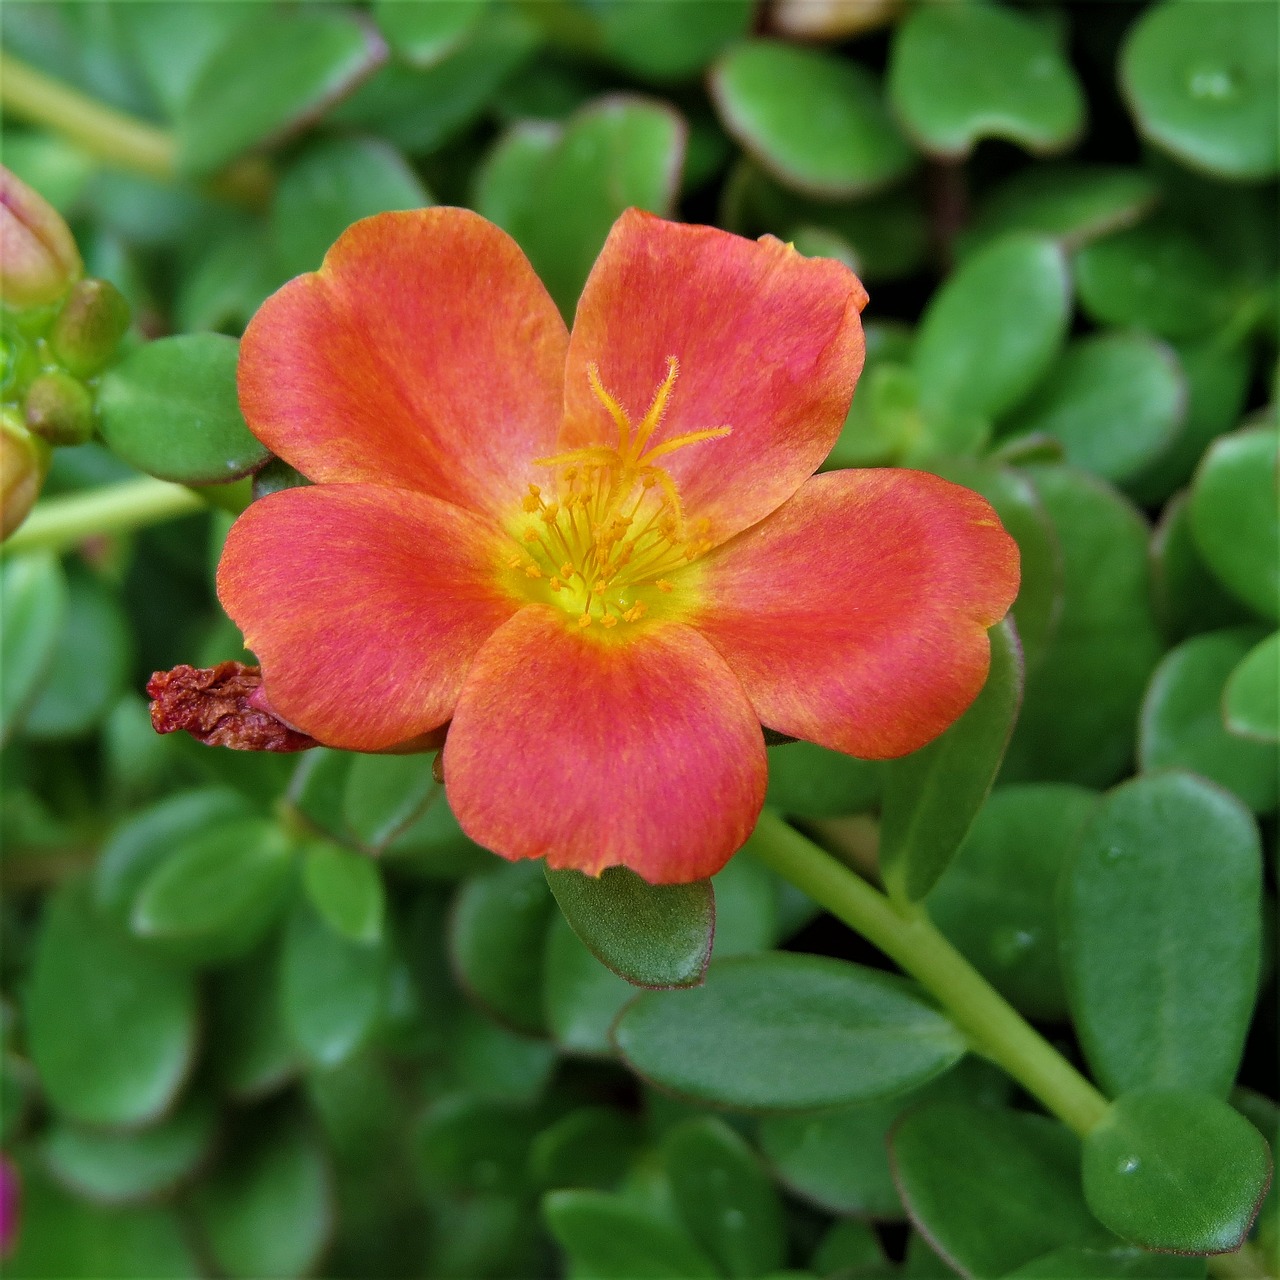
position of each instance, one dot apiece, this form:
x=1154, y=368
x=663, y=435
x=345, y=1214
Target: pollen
x=609, y=530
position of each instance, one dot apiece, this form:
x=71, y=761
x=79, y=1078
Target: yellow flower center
x=603, y=537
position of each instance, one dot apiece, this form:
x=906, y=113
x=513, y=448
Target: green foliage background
x=276, y=1016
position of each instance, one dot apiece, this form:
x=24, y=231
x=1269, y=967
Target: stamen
x=616, y=411
x=658, y=407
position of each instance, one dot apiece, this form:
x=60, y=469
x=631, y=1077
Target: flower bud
x=24, y=461
x=59, y=408
x=89, y=327
x=39, y=260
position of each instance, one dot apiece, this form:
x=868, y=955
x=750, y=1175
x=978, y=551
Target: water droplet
x=1041, y=68
x=1129, y=1164
x=1115, y=852
x=1212, y=83
x=735, y=1219
x=1010, y=944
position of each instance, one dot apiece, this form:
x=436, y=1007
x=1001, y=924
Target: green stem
x=58, y=523
x=993, y=1026
x=110, y=135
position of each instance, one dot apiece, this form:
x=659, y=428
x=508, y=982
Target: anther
x=532, y=571
x=608, y=620
x=664, y=586
x=584, y=620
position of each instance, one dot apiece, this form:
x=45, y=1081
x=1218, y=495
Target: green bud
x=39, y=260
x=89, y=327
x=24, y=463
x=59, y=408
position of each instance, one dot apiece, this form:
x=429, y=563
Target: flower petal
x=593, y=752
x=856, y=615
x=424, y=353
x=364, y=605
x=769, y=343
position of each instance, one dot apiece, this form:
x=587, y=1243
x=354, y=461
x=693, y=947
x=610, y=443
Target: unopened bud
x=39, y=260
x=59, y=409
x=89, y=327
x=24, y=462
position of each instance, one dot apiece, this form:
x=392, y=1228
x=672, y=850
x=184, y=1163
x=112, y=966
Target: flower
x=599, y=556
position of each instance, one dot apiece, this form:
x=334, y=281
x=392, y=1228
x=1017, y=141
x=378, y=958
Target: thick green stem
x=994, y=1028
x=110, y=135
x=58, y=523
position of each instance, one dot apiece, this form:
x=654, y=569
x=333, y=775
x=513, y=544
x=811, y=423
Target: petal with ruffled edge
x=593, y=752
x=856, y=615
x=364, y=605
x=769, y=343
x=425, y=353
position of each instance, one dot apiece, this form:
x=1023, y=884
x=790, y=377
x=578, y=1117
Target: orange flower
x=599, y=555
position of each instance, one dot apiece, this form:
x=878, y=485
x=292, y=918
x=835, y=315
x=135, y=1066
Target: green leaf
x=1188, y=598
x=1079, y=712
x=471, y=1145
x=1154, y=276
x=381, y=796
x=1072, y=204
x=425, y=34
x=1115, y=400
x=961, y=73
x=664, y=40
x=990, y=1188
x=252, y=1051
x=1251, y=699
x=89, y=666
x=654, y=935
x=591, y=1147
x=581, y=998
x=1203, y=85
x=608, y=1238
x=746, y=908
x=268, y=79
x=1176, y=1171
x=808, y=781
x=332, y=183
x=1160, y=921
x=111, y=1028
x=725, y=1198
x=229, y=282
x=771, y=95
x=1182, y=724
x=1116, y=1263
x=145, y=841
x=994, y=328
x=33, y=603
x=558, y=191
x=346, y=889
x=332, y=990
x=419, y=109
x=267, y=1209
x=787, y=1032
x=61, y=1236
x=496, y=941
x=1235, y=517
x=995, y=901
x=851, y=1247
x=932, y=796
x=216, y=894
x=120, y=1168
x=169, y=408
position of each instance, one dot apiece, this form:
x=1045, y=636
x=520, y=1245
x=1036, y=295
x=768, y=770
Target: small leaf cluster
x=277, y=1016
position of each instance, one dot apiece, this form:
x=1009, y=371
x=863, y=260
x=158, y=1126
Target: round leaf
x=652, y=935
x=1176, y=1171
x=346, y=889
x=808, y=781
x=990, y=1188
x=1160, y=918
x=170, y=409
x=994, y=328
x=581, y=998
x=959, y=73
x=1203, y=84
x=424, y=34
x=995, y=901
x=783, y=1032
x=268, y=78
x=496, y=941
x=1182, y=724
x=33, y=602
x=112, y=1028
x=1235, y=516
x=213, y=897
x=815, y=122
x=1251, y=700
x=1115, y=400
